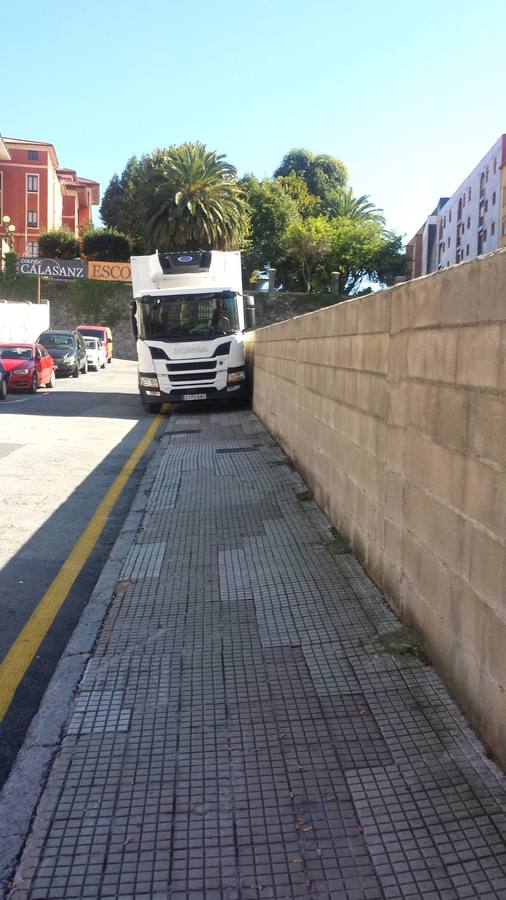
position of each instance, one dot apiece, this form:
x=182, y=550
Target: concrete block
x=376, y=352
x=487, y=428
x=486, y=569
x=374, y=313
x=398, y=356
x=492, y=273
x=394, y=488
x=435, y=468
x=484, y=495
x=440, y=359
x=479, y=356
x=436, y=526
x=393, y=543
x=460, y=290
x=451, y=425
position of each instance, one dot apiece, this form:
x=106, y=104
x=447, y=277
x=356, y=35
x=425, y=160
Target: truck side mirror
x=249, y=312
x=134, y=321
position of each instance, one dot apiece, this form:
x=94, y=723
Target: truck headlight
x=234, y=377
x=148, y=381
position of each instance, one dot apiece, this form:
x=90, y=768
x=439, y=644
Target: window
x=450, y=216
x=495, y=165
x=469, y=194
x=32, y=248
x=32, y=183
x=504, y=226
x=493, y=199
x=467, y=249
x=31, y=218
x=33, y=154
x=492, y=228
x=449, y=241
x=469, y=222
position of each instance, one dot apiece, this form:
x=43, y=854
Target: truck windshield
x=183, y=316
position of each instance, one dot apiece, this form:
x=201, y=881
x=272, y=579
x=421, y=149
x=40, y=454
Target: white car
x=95, y=353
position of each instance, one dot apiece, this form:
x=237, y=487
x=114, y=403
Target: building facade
x=469, y=223
x=38, y=195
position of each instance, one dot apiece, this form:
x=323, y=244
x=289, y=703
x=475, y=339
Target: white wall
x=22, y=321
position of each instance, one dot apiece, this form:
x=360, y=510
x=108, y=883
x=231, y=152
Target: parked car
x=68, y=351
x=3, y=382
x=103, y=333
x=95, y=353
x=27, y=366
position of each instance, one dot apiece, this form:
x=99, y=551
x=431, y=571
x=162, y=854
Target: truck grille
x=203, y=371
x=189, y=366
x=188, y=377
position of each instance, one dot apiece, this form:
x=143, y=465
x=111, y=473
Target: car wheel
x=35, y=384
x=75, y=373
x=152, y=407
x=52, y=380
x=3, y=389
x=85, y=367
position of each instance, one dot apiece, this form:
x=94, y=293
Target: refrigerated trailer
x=189, y=317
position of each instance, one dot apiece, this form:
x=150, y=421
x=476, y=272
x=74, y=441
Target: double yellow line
x=28, y=641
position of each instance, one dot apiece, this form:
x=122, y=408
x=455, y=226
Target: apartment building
x=469, y=223
x=38, y=195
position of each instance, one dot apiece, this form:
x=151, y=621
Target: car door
x=45, y=364
x=81, y=349
x=39, y=366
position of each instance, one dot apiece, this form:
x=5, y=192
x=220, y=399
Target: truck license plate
x=194, y=397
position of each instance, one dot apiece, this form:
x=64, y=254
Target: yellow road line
x=28, y=641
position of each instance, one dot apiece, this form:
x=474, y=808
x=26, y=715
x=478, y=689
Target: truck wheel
x=152, y=407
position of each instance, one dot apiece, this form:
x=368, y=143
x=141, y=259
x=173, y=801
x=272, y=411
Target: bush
x=10, y=264
x=59, y=244
x=106, y=244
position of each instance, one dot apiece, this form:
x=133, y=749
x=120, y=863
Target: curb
x=21, y=792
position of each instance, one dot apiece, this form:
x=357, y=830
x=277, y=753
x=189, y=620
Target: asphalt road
x=60, y=451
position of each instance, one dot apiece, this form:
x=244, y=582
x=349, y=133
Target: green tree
x=308, y=242
x=296, y=188
x=122, y=207
x=361, y=249
x=60, y=243
x=271, y=209
x=323, y=174
x=343, y=204
x=106, y=244
x=193, y=201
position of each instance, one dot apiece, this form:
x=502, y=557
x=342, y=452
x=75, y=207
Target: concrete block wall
x=393, y=406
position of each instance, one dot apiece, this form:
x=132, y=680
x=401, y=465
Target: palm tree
x=344, y=204
x=193, y=201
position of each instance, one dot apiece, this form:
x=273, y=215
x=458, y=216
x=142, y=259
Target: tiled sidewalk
x=241, y=731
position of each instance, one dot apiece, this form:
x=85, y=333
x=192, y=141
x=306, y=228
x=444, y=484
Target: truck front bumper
x=184, y=395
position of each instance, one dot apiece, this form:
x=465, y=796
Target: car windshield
x=56, y=340
x=15, y=352
x=92, y=332
x=186, y=316
x=91, y=343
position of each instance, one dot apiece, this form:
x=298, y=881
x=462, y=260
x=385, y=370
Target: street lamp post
x=9, y=229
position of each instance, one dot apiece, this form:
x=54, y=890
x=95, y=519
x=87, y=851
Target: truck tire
x=152, y=407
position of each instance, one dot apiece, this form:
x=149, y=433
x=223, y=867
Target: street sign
x=109, y=271
x=52, y=268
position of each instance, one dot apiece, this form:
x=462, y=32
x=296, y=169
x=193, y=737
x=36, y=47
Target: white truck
x=189, y=316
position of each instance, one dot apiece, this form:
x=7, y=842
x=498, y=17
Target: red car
x=27, y=366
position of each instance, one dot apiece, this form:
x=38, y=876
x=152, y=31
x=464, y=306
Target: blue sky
x=409, y=95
